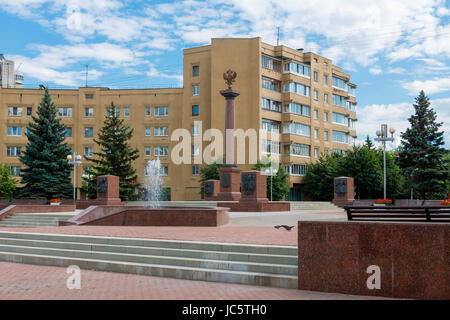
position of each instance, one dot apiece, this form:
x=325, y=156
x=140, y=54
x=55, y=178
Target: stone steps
x=29, y=220
x=313, y=205
x=236, y=263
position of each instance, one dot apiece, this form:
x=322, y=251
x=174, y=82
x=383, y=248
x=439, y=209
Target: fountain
x=153, y=183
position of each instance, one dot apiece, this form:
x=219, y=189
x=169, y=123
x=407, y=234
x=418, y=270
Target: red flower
x=445, y=202
x=383, y=201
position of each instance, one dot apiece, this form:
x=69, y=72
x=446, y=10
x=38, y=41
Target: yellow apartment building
x=302, y=103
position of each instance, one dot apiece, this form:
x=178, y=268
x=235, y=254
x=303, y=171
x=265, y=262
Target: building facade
x=300, y=105
x=9, y=76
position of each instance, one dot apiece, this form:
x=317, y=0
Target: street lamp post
x=74, y=159
x=271, y=172
x=383, y=137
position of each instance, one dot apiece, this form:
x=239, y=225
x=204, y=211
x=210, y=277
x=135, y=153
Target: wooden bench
x=398, y=213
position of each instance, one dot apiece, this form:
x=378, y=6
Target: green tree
x=319, y=177
x=394, y=179
x=422, y=155
x=115, y=157
x=209, y=172
x=363, y=165
x=47, y=172
x=368, y=143
x=7, y=183
x=279, y=184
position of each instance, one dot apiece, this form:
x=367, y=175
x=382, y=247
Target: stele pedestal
x=343, y=191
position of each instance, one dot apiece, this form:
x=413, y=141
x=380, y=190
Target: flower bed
x=445, y=202
x=55, y=202
x=383, y=201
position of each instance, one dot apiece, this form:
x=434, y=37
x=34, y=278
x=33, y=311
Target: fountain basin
x=142, y=216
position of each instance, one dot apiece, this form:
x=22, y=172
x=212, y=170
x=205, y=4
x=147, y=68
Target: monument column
x=230, y=174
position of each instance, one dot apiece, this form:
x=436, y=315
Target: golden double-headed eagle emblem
x=230, y=77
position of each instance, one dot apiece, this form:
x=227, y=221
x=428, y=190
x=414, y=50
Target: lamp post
x=74, y=159
x=383, y=137
x=271, y=172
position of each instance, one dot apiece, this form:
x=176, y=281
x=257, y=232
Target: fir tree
x=368, y=142
x=115, y=158
x=47, y=172
x=421, y=155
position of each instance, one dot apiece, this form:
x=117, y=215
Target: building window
x=148, y=151
x=195, y=71
x=271, y=126
x=296, y=169
x=316, y=114
x=315, y=75
x=164, y=171
x=160, y=131
x=297, y=88
x=339, y=83
x=325, y=116
x=195, y=150
x=161, y=151
x=195, y=110
x=15, y=171
x=88, y=112
x=13, y=151
x=161, y=111
x=65, y=112
x=195, y=90
x=269, y=146
x=14, y=111
x=339, y=101
x=272, y=105
x=68, y=132
x=325, y=135
x=195, y=130
x=325, y=80
x=299, y=149
x=126, y=112
x=89, y=96
x=109, y=111
x=297, y=128
x=270, y=63
x=195, y=171
x=148, y=111
x=297, y=108
x=316, y=95
x=148, y=131
x=325, y=98
x=88, y=132
x=271, y=84
x=14, y=131
x=29, y=111
x=339, y=136
x=316, y=152
x=316, y=133
x=88, y=152
x=340, y=118
x=297, y=68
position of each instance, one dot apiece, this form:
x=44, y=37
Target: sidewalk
x=31, y=282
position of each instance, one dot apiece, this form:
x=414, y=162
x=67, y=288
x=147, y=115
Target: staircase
x=313, y=205
x=262, y=265
x=30, y=220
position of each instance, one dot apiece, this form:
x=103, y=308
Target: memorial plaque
x=102, y=186
x=225, y=180
x=248, y=183
x=209, y=188
x=340, y=186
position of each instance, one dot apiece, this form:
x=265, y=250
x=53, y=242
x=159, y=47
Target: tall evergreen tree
x=115, y=157
x=47, y=172
x=421, y=155
x=368, y=143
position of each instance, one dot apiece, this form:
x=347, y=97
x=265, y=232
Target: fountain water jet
x=153, y=183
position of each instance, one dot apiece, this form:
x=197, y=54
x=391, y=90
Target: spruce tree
x=368, y=143
x=47, y=172
x=421, y=155
x=115, y=157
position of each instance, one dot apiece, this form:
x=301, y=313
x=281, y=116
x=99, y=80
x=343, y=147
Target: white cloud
x=375, y=70
x=435, y=85
x=396, y=115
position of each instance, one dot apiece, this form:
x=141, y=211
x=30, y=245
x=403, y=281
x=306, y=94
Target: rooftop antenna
x=87, y=71
x=278, y=36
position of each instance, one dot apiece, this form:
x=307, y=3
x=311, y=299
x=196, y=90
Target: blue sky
x=392, y=49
